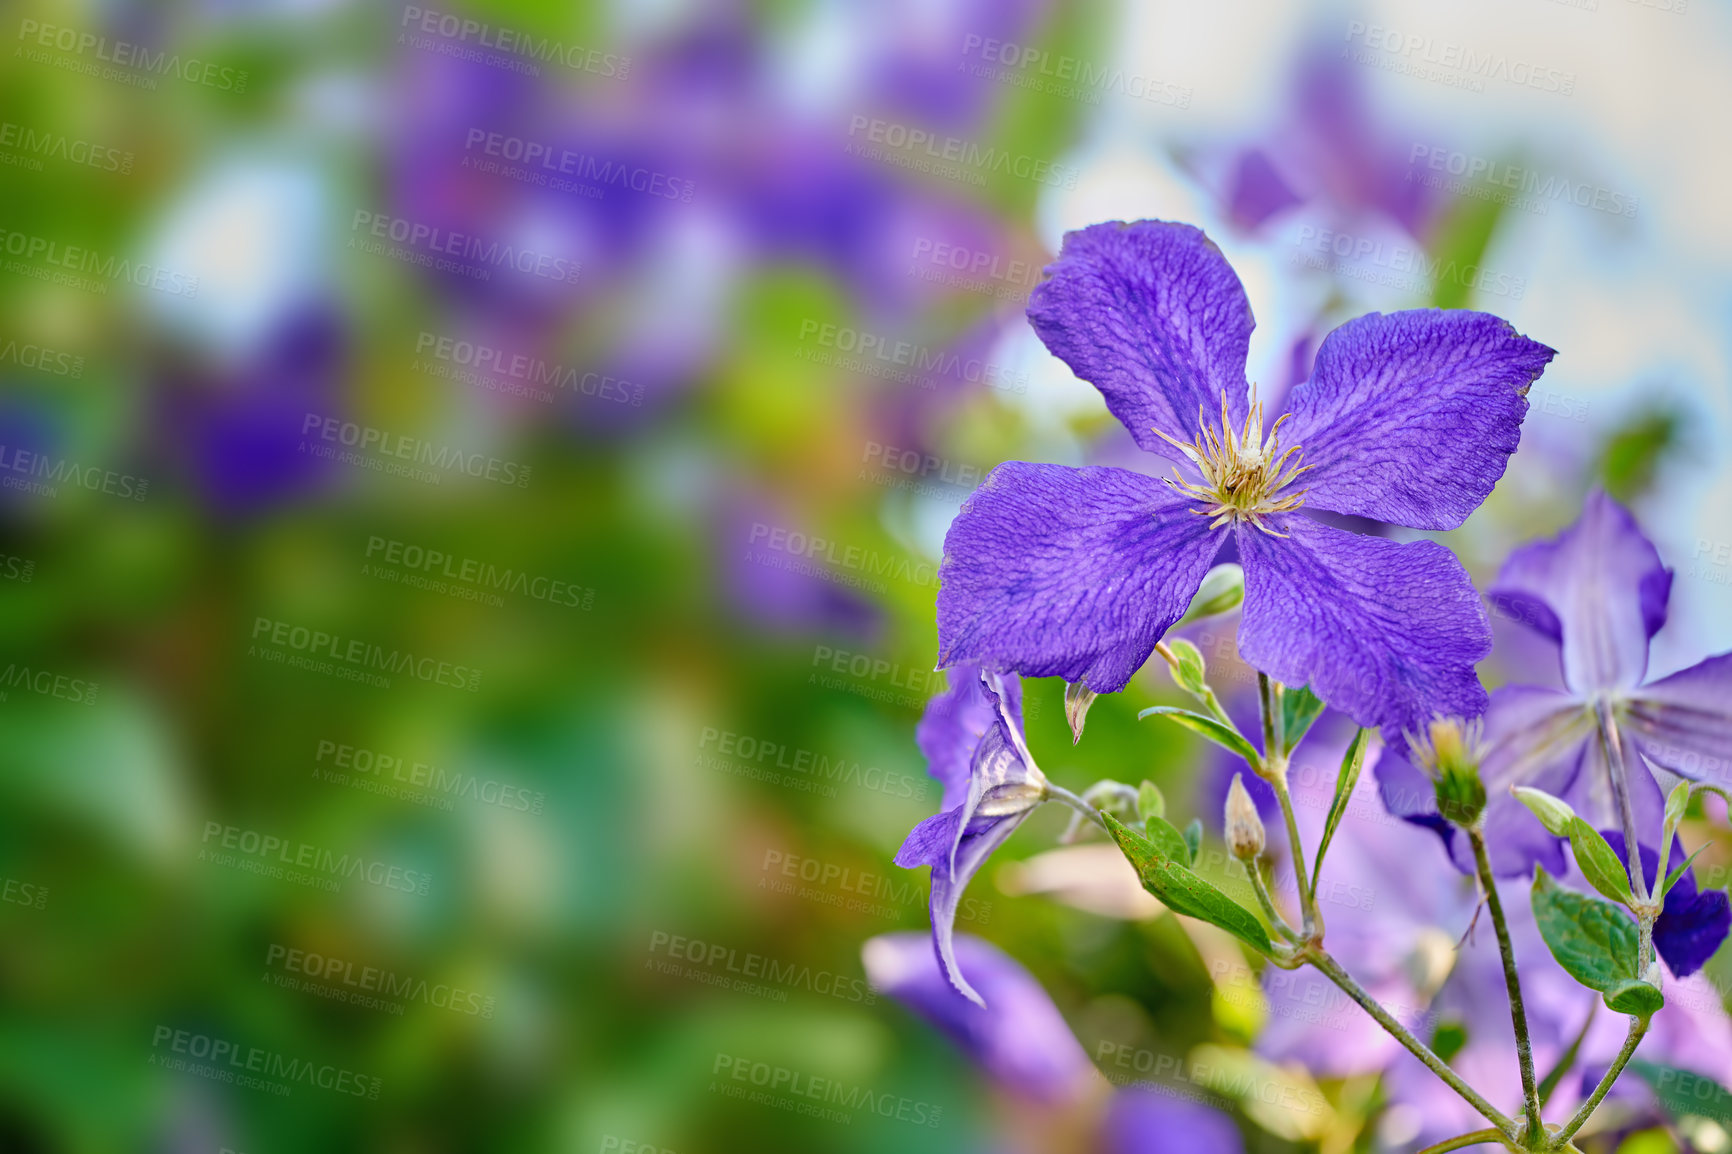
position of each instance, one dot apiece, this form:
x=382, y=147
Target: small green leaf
x=1299, y=708
x=1208, y=727
x=1194, y=838
x=1183, y=892
x=1676, y=803
x=1166, y=837
x=1222, y=589
x=1150, y=802
x=1598, y=863
x=1189, y=672
x=1594, y=941
x=1554, y=813
x=1685, y=1093
x=1672, y=878
x=1638, y=999
x=1351, y=763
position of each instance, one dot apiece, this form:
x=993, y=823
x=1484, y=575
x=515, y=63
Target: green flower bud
x=1450, y=751
x=1244, y=829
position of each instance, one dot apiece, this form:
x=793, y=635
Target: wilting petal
x=1146, y=1121
x=1684, y=722
x=1072, y=573
x=1021, y=1040
x=952, y=726
x=1152, y=315
x=1411, y=417
x=1599, y=590
x=1387, y=633
x=1004, y=787
x=1692, y=924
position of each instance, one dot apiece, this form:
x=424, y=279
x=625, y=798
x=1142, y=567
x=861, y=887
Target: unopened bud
x=1222, y=590
x=1450, y=752
x=1244, y=828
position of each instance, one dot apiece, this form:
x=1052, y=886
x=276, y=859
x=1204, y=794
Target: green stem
x=1333, y=971
x=1207, y=697
x=1463, y=1140
x=1517, y=1008
x=1638, y=1027
x=1275, y=773
x=1056, y=792
x=1268, y=903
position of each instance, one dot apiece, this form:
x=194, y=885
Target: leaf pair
x=1597, y=944
x=1595, y=857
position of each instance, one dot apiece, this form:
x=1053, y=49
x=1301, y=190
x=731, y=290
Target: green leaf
x=1554, y=812
x=1208, y=727
x=1604, y=871
x=1594, y=941
x=1638, y=999
x=1351, y=763
x=1194, y=838
x=1299, y=708
x=1150, y=802
x=1189, y=671
x=1685, y=1093
x=1676, y=803
x=1672, y=878
x=1183, y=892
x=1166, y=838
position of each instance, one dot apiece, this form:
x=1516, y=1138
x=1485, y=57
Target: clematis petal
x=953, y=724
x=1152, y=315
x=1022, y=1041
x=1598, y=589
x=1684, y=722
x=1072, y=573
x=1411, y=417
x=1692, y=923
x=1386, y=632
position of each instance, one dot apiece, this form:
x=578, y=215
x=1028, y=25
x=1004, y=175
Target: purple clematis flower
x=1022, y=1042
x=972, y=737
x=1599, y=593
x=1408, y=418
x=1692, y=923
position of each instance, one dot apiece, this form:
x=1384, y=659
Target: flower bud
x=1222, y=590
x=1244, y=828
x=1450, y=752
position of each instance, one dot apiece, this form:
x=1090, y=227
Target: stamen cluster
x=1242, y=472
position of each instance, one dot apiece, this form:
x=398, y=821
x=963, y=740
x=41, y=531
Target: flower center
x=1242, y=472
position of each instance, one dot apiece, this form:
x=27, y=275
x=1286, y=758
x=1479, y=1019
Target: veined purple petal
x=1692, y=924
x=1411, y=417
x=1021, y=1040
x=1152, y=315
x=1388, y=633
x=1684, y=722
x=1591, y=795
x=1073, y=573
x=1146, y=1121
x=953, y=724
x=1599, y=590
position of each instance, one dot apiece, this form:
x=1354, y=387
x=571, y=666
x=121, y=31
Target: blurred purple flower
x=1410, y=418
x=990, y=785
x=1018, y=1038
x=1598, y=592
x=1145, y=1121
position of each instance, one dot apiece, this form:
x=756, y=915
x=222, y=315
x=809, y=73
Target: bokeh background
x=474, y=479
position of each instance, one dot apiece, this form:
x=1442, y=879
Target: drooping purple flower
x=1408, y=418
x=1019, y=1038
x=1598, y=592
x=1692, y=924
x=972, y=734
